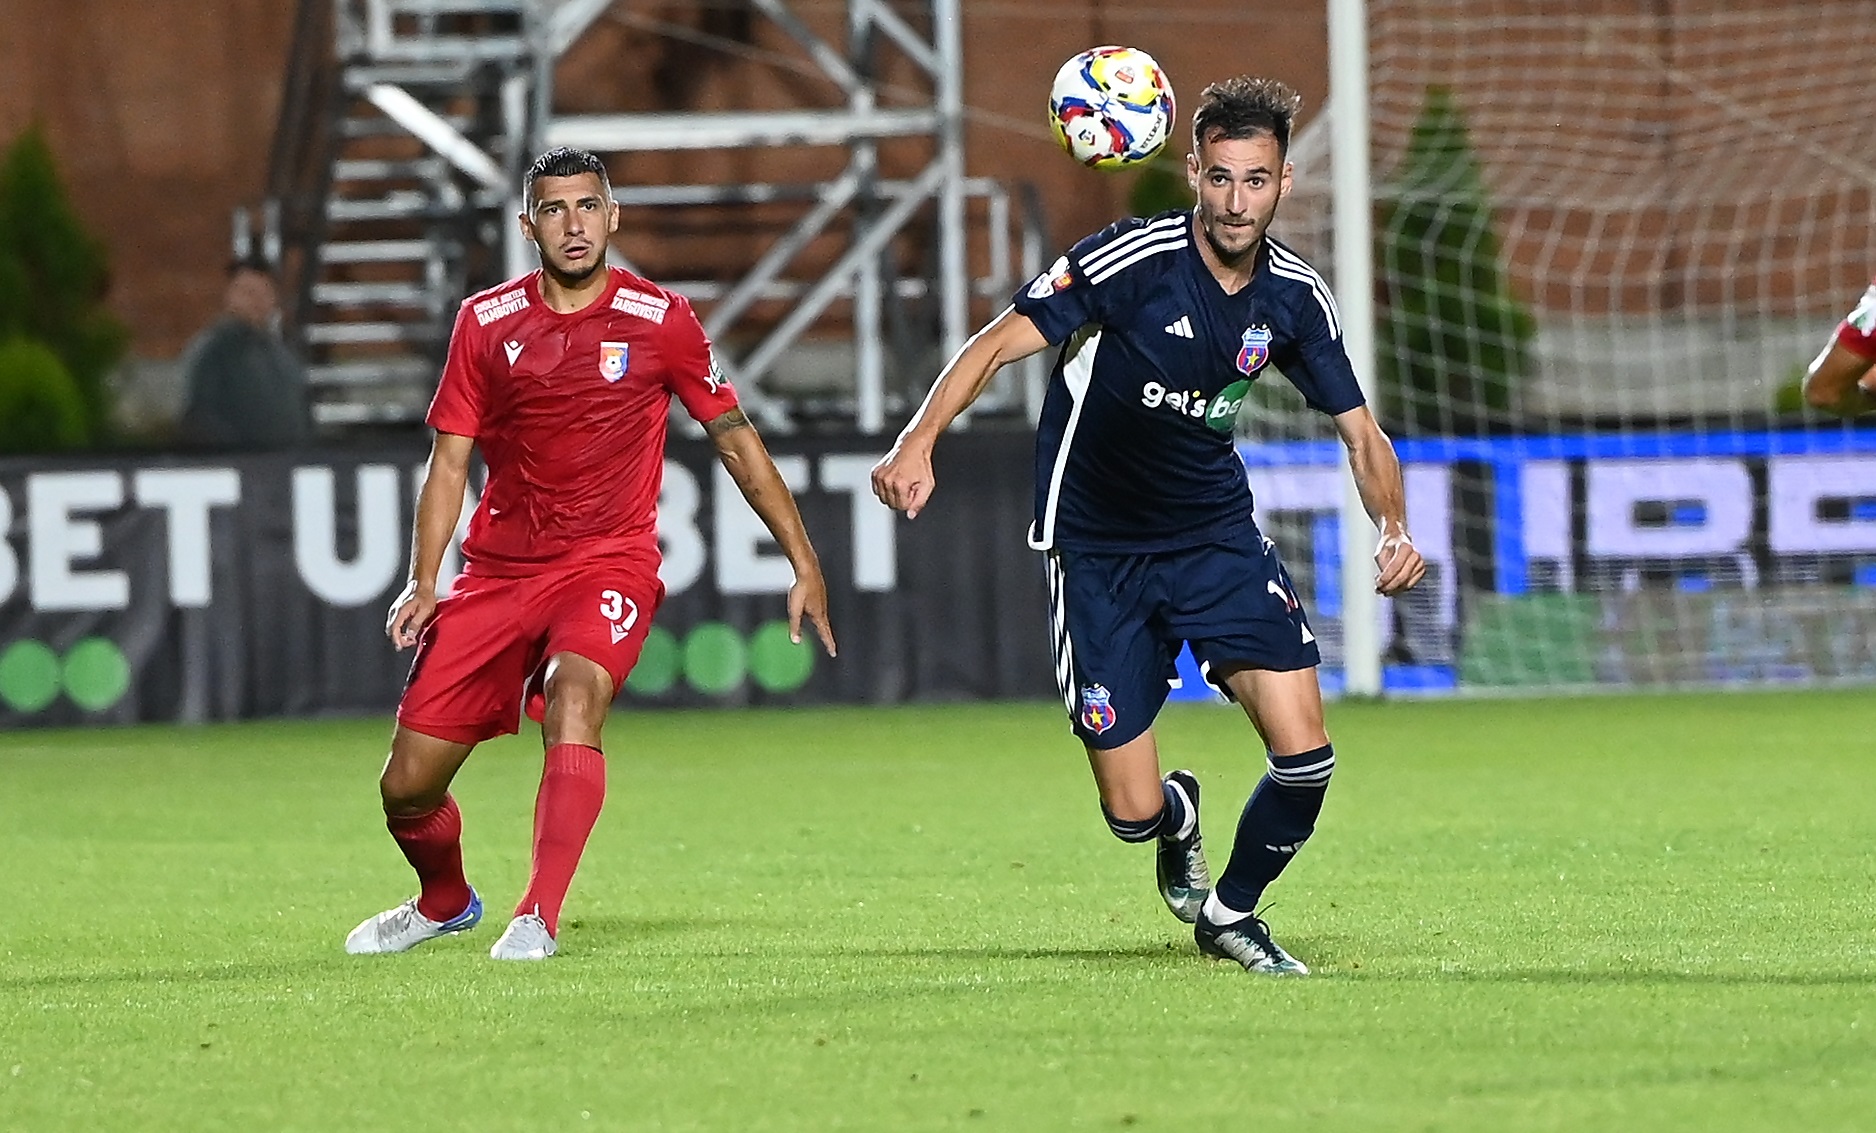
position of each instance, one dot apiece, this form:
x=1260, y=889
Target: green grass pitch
x=1639, y=913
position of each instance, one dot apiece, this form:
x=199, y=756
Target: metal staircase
x=399, y=138
x=406, y=125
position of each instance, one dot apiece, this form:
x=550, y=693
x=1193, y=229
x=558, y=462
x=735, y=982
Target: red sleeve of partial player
x=457, y=406
x=691, y=369
x=1857, y=332
x=1858, y=342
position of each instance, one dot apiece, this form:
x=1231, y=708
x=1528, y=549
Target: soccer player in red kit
x=1839, y=379
x=563, y=378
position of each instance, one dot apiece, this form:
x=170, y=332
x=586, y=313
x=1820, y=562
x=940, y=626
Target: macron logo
x=1180, y=329
x=500, y=306
x=514, y=350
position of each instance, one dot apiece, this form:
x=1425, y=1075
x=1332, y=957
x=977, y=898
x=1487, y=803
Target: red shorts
x=484, y=652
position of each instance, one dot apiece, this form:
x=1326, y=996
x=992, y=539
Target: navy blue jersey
x=1134, y=447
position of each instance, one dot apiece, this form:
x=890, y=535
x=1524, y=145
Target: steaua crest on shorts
x=612, y=360
x=1254, y=349
x=1097, y=715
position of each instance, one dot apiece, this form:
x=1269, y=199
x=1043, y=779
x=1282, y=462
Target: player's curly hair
x=1245, y=107
x=563, y=161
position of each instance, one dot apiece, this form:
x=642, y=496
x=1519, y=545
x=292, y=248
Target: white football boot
x=526, y=938
x=404, y=928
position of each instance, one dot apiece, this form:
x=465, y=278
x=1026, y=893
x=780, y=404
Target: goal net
x=1608, y=238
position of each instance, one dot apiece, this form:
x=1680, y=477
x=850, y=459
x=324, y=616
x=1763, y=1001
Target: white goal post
x=1354, y=282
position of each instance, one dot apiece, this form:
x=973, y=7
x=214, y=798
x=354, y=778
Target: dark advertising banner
x=200, y=589
x=204, y=589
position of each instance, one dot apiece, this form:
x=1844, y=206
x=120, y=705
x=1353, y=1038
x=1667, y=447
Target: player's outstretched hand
x=1398, y=564
x=903, y=479
x=808, y=597
x=412, y=610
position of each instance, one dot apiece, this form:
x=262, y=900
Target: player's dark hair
x=563, y=161
x=1245, y=107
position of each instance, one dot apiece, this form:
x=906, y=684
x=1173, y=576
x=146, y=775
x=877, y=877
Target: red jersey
x=1857, y=332
x=569, y=412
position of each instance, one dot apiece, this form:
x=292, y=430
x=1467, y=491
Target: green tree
x=1453, y=339
x=1160, y=186
x=54, y=276
x=40, y=407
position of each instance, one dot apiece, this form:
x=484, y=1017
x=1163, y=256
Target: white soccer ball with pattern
x=1111, y=107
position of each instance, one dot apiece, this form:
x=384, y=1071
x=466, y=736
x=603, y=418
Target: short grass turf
x=1643, y=913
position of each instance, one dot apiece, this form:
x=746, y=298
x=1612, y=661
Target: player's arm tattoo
x=747, y=460
x=740, y=449
x=726, y=423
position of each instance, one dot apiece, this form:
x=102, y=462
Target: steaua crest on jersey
x=1097, y=715
x=1254, y=349
x=612, y=360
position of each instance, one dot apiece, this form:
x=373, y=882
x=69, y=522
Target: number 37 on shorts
x=620, y=613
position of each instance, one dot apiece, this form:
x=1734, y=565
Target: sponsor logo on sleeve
x=715, y=375
x=500, y=306
x=612, y=360
x=1059, y=277
x=641, y=303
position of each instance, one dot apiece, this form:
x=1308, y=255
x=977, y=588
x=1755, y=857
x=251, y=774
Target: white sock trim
x=1192, y=811
x=1218, y=913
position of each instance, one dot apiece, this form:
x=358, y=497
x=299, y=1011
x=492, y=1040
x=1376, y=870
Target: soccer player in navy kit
x=1142, y=505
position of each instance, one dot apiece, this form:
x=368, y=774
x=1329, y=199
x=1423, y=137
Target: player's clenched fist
x=1398, y=564
x=903, y=479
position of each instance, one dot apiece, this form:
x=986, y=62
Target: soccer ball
x=1111, y=107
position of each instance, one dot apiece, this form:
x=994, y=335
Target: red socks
x=433, y=845
x=573, y=787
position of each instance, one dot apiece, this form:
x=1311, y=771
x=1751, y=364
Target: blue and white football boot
x=404, y=928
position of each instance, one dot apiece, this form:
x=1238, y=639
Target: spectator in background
x=243, y=389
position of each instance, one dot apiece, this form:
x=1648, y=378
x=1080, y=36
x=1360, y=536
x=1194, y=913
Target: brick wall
x=161, y=114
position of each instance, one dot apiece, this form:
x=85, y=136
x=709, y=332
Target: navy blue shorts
x=1118, y=622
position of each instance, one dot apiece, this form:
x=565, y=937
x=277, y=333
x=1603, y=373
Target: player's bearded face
x=1239, y=182
x=569, y=222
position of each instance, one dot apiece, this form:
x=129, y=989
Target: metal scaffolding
x=473, y=82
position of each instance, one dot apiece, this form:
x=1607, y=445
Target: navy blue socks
x=1174, y=819
x=1278, y=819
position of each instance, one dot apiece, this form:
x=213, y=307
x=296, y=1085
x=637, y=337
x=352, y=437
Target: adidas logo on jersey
x=1181, y=327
